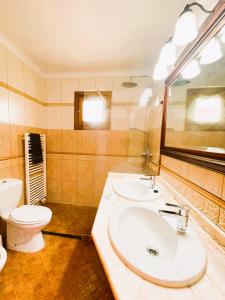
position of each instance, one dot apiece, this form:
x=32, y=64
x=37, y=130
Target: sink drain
x=152, y=251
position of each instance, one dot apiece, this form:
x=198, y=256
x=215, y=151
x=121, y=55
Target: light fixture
x=168, y=55
x=222, y=35
x=191, y=70
x=186, y=30
x=211, y=53
x=160, y=71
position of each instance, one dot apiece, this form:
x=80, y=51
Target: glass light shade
x=168, y=55
x=160, y=71
x=186, y=30
x=211, y=53
x=222, y=35
x=192, y=70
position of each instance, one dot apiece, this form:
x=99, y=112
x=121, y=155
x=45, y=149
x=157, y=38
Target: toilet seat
x=30, y=214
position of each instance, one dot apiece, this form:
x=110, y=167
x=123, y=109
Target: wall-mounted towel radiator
x=35, y=173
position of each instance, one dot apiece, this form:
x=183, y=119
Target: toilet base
x=24, y=240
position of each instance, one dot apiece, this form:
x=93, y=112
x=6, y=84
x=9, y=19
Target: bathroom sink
x=3, y=257
x=135, y=190
x=153, y=249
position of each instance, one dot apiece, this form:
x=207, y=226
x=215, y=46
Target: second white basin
x=135, y=190
x=150, y=247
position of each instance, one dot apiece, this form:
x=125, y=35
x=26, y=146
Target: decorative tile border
x=20, y=93
x=209, y=212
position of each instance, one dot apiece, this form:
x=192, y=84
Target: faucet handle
x=184, y=208
x=173, y=205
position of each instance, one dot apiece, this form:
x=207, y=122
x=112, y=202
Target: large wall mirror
x=194, y=112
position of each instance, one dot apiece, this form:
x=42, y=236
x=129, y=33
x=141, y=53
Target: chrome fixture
x=129, y=84
x=182, y=215
x=150, y=178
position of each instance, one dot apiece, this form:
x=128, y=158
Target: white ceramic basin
x=150, y=247
x=3, y=257
x=135, y=190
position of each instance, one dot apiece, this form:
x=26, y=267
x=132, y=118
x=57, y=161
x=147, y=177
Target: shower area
x=103, y=126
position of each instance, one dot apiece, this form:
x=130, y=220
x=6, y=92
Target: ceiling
x=98, y=36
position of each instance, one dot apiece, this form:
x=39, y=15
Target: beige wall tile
x=5, y=171
x=93, y=142
x=54, y=117
x=3, y=64
x=53, y=90
x=214, y=182
x=86, y=84
x=16, y=139
x=31, y=113
x=121, y=95
x=67, y=117
x=4, y=140
x=69, y=141
x=15, y=71
x=118, y=143
x=120, y=118
x=54, y=140
x=69, y=86
x=54, y=169
x=17, y=168
x=137, y=140
x=138, y=118
x=40, y=90
x=16, y=109
x=54, y=191
x=69, y=169
x=104, y=84
x=29, y=81
x=69, y=192
x=4, y=105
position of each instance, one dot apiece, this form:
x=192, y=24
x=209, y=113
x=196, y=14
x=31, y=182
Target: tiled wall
x=195, y=138
x=78, y=160
x=21, y=109
x=204, y=188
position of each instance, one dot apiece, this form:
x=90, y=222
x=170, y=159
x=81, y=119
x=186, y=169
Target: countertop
x=125, y=284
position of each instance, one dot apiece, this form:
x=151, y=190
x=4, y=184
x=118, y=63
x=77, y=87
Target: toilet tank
x=10, y=193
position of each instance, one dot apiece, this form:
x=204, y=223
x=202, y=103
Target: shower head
x=129, y=84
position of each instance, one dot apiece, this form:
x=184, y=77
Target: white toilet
x=24, y=224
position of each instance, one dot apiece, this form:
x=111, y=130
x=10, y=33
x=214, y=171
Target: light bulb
x=185, y=30
x=160, y=72
x=191, y=70
x=211, y=53
x=168, y=54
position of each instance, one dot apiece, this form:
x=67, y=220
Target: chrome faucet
x=182, y=215
x=152, y=178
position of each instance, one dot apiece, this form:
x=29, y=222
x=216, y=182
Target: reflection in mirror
x=196, y=102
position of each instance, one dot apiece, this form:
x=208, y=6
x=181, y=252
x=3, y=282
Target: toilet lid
x=30, y=213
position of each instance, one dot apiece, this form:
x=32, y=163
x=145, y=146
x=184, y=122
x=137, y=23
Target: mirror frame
x=215, y=161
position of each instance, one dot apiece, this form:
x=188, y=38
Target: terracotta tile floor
x=71, y=219
x=64, y=269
